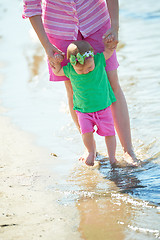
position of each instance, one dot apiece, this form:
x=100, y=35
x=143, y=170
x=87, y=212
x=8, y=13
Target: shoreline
x=29, y=209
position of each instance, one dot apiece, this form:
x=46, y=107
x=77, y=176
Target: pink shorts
x=102, y=119
x=96, y=42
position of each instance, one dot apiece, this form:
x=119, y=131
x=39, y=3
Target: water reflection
x=99, y=219
x=106, y=210
x=100, y=214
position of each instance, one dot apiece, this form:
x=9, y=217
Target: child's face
x=86, y=68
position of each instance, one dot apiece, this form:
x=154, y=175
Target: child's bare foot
x=86, y=157
x=90, y=159
x=85, y=154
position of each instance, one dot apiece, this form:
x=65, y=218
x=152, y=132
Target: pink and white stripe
x=63, y=18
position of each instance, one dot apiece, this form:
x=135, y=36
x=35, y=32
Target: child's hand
x=110, y=38
x=108, y=42
x=50, y=51
x=110, y=46
x=57, y=59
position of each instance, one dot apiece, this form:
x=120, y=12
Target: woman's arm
x=50, y=49
x=113, y=8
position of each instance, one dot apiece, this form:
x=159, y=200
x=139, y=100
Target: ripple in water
x=142, y=183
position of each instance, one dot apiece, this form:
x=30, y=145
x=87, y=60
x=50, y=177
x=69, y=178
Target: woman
x=57, y=23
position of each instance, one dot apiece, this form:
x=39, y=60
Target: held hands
x=56, y=64
x=58, y=58
x=52, y=57
x=110, y=39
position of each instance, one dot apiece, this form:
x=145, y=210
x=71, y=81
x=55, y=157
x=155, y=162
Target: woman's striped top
x=63, y=18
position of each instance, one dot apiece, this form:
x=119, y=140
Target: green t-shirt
x=92, y=92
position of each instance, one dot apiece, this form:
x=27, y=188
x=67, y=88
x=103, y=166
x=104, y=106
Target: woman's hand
x=57, y=59
x=111, y=38
x=50, y=51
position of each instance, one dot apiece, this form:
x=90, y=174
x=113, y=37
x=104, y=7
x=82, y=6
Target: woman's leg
x=119, y=108
x=121, y=115
x=70, y=102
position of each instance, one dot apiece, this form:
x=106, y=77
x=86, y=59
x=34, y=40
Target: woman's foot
x=113, y=162
x=131, y=159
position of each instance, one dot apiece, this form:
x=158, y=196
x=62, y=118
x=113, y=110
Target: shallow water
x=121, y=203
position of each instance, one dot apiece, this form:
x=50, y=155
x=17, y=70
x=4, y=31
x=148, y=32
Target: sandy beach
x=28, y=208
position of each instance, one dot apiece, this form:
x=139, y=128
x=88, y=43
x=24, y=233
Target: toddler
x=92, y=95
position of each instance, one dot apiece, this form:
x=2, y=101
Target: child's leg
x=84, y=156
x=89, y=143
x=111, y=147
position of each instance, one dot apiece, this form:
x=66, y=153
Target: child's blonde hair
x=78, y=47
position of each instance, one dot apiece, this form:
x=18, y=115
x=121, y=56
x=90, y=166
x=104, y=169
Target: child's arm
x=107, y=50
x=107, y=53
x=58, y=69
